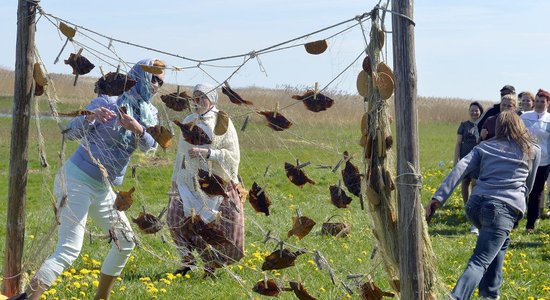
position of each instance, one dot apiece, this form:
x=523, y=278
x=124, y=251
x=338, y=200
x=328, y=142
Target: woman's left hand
x=129, y=123
x=198, y=152
x=431, y=208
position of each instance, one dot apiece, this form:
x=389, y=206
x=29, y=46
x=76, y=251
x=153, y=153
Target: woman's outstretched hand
x=101, y=115
x=129, y=123
x=431, y=208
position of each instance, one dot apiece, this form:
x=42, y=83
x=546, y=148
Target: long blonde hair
x=510, y=126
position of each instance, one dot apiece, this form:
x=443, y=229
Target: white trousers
x=86, y=195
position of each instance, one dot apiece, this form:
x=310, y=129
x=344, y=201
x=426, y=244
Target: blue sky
x=466, y=49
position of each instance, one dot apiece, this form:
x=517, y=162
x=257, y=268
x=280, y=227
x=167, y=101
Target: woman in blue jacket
x=108, y=137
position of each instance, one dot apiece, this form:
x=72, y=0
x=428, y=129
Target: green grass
x=145, y=277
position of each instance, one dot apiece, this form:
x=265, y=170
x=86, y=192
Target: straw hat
x=316, y=47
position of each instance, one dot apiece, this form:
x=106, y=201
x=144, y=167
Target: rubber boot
x=106, y=283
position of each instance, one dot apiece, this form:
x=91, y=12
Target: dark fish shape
x=268, y=288
x=277, y=121
x=320, y=103
x=280, y=259
x=234, y=97
x=162, y=135
x=339, y=197
x=369, y=291
x=297, y=176
x=351, y=176
x=124, y=200
x=259, y=201
x=76, y=113
x=300, y=291
x=114, y=84
x=38, y=89
x=148, y=223
x=80, y=64
x=212, y=185
x=176, y=102
x=193, y=134
x=301, y=227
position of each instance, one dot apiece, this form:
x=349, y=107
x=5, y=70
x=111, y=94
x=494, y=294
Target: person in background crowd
x=493, y=111
x=538, y=123
x=507, y=102
x=467, y=139
x=526, y=101
x=507, y=165
x=108, y=137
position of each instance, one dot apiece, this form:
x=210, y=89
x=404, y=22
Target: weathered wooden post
x=408, y=183
x=22, y=95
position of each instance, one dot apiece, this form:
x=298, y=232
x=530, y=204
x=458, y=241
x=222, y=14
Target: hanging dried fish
x=193, y=134
x=234, y=97
x=335, y=228
x=222, y=123
x=38, y=90
x=351, y=176
x=213, y=184
x=124, y=200
x=338, y=197
x=80, y=64
x=361, y=83
x=385, y=85
x=316, y=47
x=367, y=67
x=148, y=223
x=300, y=291
x=176, y=102
x=297, y=176
x=162, y=135
x=259, y=199
x=301, y=226
x=276, y=121
x=369, y=291
x=76, y=113
x=314, y=103
x=268, y=287
x=114, y=84
x=280, y=259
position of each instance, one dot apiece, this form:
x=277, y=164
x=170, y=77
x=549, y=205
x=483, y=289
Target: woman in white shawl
x=211, y=224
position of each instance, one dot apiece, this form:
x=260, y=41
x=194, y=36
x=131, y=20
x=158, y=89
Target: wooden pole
x=408, y=185
x=22, y=95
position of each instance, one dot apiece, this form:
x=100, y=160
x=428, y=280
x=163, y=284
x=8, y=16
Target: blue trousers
x=495, y=219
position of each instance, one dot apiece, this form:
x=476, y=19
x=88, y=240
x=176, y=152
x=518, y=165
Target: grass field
x=320, y=139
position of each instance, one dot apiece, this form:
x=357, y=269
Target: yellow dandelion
x=82, y=294
x=76, y=284
x=122, y=289
x=95, y=283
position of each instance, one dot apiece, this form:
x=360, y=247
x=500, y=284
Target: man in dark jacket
x=495, y=110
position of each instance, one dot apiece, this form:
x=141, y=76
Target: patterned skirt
x=218, y=243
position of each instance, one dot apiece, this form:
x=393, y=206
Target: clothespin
x=76, y=57
x=218, y=218
x=299, y=214
x=299, y=166
x=281, y=245
x=267, y=236
x=193, y=215
x=339, y=188
x=245, y=124
x=67, y=31
x=337, y=165
x=265, y=278
x=266, y=169
x=276, y=109
x=209, y=168
x=361, y=201
x=262, y=190
x=374, y=250
x=316, y=90
x=134, y=167
x=102, y=72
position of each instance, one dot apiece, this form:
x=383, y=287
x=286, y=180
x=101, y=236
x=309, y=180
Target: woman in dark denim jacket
x=506, y=164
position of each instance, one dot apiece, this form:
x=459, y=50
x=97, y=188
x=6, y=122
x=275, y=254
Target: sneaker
x=490, y=298
x=474, y=230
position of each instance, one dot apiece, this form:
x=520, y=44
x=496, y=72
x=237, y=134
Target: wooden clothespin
x=299, y=166
x=262, y=189
x=339, y=188
x=299, y=214
x=267, y=236
x=276, y=109
x=316, y=90
x=76, y=57
x=338, y=164
x=67, y=31
x=245, y=124
x=209, y=168
x=193, y=215
x=102, y=72
x=266, y=169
